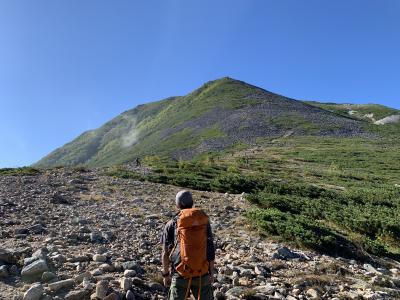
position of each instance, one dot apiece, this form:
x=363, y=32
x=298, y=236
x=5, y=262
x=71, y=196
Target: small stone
x=101, y=289
x=130, y=296
x=132, y=265
x=3, y=272
x=37, y=229
x=20, y=231
x=14, y=270
x=261, y=270
x=34, y=292
x=155, y=286
x=286, y=253
x=296, y=292
x=99, y=258
x=68, y=283
x=313, y=293
x=97, y=272
x=47, y=276
x=126, y=283
x=77, y=295
x=394, y=271
x=95, y=237
x=112, y=296
x=129, y=273
x=6, y=256
x=218, y=295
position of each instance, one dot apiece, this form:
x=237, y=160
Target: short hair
x=184, y=199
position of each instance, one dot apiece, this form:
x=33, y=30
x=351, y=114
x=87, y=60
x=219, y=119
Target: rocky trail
x=76, y=234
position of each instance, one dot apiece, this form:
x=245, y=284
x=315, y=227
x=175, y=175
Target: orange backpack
x=192, y=238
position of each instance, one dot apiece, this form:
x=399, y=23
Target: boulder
x=34, y=270
x=34, y=292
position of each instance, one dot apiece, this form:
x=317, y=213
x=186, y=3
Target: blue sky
x=67, y=66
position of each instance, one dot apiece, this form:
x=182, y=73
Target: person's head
x=184, y=200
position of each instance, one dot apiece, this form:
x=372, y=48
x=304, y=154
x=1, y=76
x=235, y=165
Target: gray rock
x=262, y=270
x=218, y=295
x=3, y=272
x=132, y=265
x=108, y=236
x=236, y=291
x=112, y=296
x=370, y=268
x=14, y=270
x=155, y=286
x=99, y=258
x=101, y=289
x=37, y=229
x=6, y=256
x=267, y=289
x=286, y=253
x=95, y=237
x=62, y=284
x=313, y=294
x=126, y=283
x=20, y=231
x=129, y=273
x=130, y=295
x=78, y=295
x=34, y=292
x=58, y=198
x=48, y=276
x=34, y=270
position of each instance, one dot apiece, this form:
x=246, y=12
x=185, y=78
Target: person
x=137, y=161
x=179, y=286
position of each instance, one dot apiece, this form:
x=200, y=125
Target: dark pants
x=179, y=286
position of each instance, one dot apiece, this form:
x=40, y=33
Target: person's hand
x=211, y=278
x=167, y=281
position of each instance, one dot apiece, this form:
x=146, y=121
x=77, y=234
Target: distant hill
x=214, y=117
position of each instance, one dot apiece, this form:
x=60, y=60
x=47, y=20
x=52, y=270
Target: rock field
x=75, y=234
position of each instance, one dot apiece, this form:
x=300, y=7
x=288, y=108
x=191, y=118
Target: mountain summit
x=216, y=116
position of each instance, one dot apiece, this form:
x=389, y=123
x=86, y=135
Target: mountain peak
x=214, y=117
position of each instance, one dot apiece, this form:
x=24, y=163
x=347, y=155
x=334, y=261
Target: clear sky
x=67, y=66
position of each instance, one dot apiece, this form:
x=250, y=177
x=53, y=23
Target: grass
x=24, y=171
x=336, y=196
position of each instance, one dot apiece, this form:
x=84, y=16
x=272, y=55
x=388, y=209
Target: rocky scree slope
x=214, y=117
x=81, y=235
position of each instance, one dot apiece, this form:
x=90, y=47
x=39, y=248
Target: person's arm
x=211, y=271
x=210, y=253
x=167, y=240
x=166, y=267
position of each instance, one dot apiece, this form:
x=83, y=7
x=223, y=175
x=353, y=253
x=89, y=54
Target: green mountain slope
x=368, y=112
x=218, y=115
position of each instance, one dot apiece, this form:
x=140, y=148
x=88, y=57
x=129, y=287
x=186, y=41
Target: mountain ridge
x=214, y=117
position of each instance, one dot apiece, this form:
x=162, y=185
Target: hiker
x=188, y=252
x=137, y=161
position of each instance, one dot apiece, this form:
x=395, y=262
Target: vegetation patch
x=24, y=171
